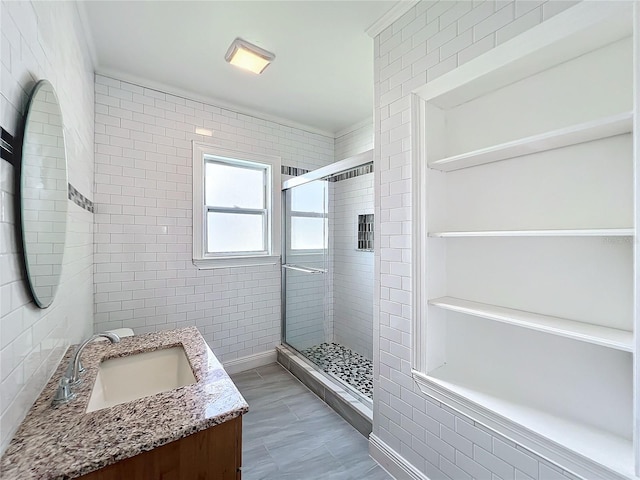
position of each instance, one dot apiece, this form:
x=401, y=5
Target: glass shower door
x=304, y=266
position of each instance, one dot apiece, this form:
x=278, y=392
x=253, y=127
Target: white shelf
x=584, y=332
x=603, y=447
x=595, y=232
x=563, y=137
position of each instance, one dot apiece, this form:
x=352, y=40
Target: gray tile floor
x=289, y=433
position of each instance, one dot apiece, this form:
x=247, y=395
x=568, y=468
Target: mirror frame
x=41, y=301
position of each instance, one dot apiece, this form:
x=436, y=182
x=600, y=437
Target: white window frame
x=271, y=255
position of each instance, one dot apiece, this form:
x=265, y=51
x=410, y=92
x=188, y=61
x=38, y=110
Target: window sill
x=233, y=262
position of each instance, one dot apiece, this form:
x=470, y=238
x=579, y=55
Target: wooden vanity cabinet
x=214, y=453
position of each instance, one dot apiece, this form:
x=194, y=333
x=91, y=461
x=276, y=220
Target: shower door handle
x=303, y=269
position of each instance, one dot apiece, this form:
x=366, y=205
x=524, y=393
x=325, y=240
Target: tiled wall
x=429, y=40
x=351, y=305
x=359, y=140
x=43, y=40
x=144, y=277
x=352, y=269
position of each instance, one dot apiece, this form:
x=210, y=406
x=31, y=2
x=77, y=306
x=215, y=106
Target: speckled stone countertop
x=65, y=442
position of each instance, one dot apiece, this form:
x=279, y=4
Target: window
x=308, y=217
x=236, y=207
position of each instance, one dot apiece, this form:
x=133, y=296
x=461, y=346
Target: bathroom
x=128, y=257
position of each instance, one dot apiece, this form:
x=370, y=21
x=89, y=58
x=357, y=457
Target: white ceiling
x=322, y=77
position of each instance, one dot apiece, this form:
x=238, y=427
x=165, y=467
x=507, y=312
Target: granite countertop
x=65, y=442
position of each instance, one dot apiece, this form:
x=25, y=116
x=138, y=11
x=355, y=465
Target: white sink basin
x=124, y=379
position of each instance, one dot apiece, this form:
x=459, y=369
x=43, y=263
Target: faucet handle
x=75, y=367
x=64, y=393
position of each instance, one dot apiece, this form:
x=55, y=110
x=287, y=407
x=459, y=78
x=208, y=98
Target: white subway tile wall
x=359, y=140
x=349, y=275
x=352, y=269
x=144, y=277
x=43, y=40
x=429, y=40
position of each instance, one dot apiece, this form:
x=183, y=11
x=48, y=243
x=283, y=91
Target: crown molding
x=393, y=14
x=88, y=36
x=216, y=102
x=352, y=128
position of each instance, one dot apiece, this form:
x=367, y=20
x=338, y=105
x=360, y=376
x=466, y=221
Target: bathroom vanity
x=194, y=431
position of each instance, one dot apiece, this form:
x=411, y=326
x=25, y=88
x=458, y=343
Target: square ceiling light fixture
x=248, y=56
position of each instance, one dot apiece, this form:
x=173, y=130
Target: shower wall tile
x=144, y=276
x=43, y=40
x=351, y=289
x=432, y=38
x=352, y=269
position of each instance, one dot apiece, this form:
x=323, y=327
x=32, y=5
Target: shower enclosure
x=327, y=270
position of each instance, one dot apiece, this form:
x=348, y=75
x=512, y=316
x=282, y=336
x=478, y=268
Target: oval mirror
x=43, y=193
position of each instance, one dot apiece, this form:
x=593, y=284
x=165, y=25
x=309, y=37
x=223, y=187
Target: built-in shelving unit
x=526, y=170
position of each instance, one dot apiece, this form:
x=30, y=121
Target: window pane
x=308, y=233
x=234, y=186
x=310, y=197
x=233, y=232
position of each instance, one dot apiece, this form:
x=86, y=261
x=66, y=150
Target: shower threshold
x=355, y=408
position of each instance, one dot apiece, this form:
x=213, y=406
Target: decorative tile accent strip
x=6, y=146
x=342, y=362
x=292, y=171
x=356, y=172
x=76, y=197
x=362, y=170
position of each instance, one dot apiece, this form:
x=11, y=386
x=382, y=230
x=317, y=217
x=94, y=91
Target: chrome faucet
x=72, y=373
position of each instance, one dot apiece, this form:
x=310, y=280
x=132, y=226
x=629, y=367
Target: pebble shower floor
x=342, y=362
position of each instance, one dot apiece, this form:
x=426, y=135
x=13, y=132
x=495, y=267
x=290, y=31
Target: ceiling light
x=247, y=56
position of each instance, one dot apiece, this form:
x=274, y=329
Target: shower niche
x=365, y=232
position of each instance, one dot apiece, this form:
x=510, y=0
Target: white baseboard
x=397, y=466
x=249, y=362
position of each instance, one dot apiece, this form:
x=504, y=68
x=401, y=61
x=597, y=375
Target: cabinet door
x=212, y=454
